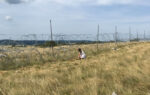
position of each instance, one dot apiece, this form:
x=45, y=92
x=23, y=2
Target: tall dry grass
x=17, y=57
x=125, y=71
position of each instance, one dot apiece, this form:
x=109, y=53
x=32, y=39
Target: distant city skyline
x=74, y=16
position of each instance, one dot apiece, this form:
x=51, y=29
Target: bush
x=49, y=44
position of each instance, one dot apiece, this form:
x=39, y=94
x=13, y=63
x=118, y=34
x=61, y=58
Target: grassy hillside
x=125, y=71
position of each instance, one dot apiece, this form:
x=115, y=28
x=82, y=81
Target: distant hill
x=39, y=42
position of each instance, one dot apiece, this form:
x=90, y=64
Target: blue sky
x=73, y=16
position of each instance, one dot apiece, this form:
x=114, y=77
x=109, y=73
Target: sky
x=73, y=16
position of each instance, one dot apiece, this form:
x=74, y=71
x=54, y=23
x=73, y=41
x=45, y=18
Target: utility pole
x=129, y=34
x=144, y=36
x=51, y=37
x=51, y=30
x=116, y=34
x=137, y=35
x=97, y=37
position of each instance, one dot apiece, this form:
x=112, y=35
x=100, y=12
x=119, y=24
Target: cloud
x=8, y=18
x=1, y=1
x=111, y=2
x=101, y=2
x=75, y=2
x=16, y=1
x=83, y=2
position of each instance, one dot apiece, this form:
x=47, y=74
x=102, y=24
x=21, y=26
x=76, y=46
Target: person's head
x=79, y=49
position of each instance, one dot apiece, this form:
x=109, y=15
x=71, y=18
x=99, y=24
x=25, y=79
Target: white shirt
x=82, y=55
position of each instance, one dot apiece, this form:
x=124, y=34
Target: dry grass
x=125, y=71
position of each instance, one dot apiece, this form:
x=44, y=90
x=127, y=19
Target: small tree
x=50, y=44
